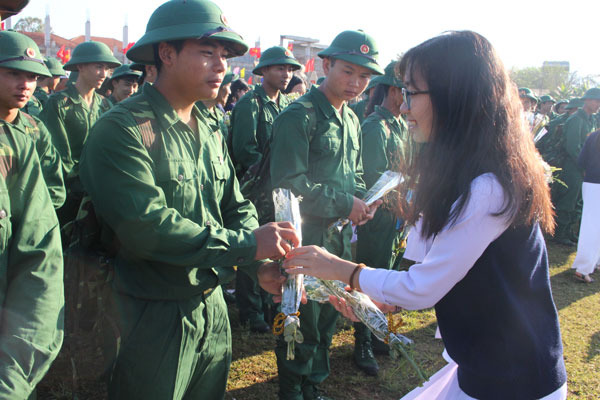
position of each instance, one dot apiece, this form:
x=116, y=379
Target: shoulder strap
x=31, y=120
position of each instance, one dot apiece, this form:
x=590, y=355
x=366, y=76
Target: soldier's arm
x=53, y=117
x=290, y=166
x=573, y=129
x=31, y=325
x=361, y=187
x=374, y=155
x=51, y=166
x=244, y=120
x=118, y=173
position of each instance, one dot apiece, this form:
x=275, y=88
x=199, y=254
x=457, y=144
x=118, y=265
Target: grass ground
x=254, y=372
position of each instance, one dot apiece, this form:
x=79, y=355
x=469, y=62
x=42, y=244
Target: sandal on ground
x=583, y=278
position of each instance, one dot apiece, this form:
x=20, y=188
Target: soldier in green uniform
x=70, y=114
x=14, y=80
x=31, y=264
x=47, y=85
x=551, y=144
x=545, y=106
x=386, y=145
x=211, y=113
x=251, y=124
x=123, y=83
x=162, y=181
x=253, y=115
x=576, y=129
x=316, y=152
x=360, y=107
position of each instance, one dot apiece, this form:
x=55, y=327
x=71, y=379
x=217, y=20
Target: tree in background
x=29, y=24
x=556, y=81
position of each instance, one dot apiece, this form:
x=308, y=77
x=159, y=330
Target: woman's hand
x=318, y=262
x=343, y=307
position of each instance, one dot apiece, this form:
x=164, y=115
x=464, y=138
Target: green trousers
x=566, y=200
x=317, y=324
x=171, y=349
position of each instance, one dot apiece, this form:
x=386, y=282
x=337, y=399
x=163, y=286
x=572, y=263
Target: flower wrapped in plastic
x=287, y=322
x=387, y=182
x=366, y=311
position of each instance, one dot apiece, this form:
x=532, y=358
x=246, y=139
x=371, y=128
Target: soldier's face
x=546, y=107
x=93, y=74
x=277, y=76
x=591, y=106
x=123, y=88
x=224, y=93
x=345, y=80
x=199, y=68
x=16, y=88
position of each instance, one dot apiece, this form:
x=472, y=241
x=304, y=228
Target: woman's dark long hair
x=477, y=128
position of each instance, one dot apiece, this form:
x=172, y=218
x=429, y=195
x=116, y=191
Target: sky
x=525, y=33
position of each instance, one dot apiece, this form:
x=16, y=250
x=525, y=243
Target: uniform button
x=2, y=214
x=180, y=177
x=201, y=187
x=240, y=260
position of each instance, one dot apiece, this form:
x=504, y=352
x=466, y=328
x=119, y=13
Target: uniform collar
x=321, y=101
x=165, y=113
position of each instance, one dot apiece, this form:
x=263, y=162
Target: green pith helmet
x=20, y=52
x=526, y=92
x=574, y=103
x=545, y=98
x=139, y=66
x=125, y=70
x=389, y=78
x=185, y=19
x=91, y=52
x=592, y=94
x=356, y=47
x=561, y=101
x=55, y=67
x=8, y=8
x=276, y=56
x=227, y=78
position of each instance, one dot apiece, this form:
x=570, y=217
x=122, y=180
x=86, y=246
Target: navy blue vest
x=500, y=324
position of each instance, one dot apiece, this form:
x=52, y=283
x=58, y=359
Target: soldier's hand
x=271, y=280
x=274, y=240
x=371, y=212
x=359, y=211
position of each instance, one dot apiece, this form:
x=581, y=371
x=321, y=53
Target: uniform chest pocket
x=221, y=174
x=326, y=144
x=180, y=182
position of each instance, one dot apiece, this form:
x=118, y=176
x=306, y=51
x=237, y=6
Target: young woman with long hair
x=480, y=204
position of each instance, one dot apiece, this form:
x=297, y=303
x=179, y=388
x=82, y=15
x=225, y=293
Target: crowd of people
x=163, y=170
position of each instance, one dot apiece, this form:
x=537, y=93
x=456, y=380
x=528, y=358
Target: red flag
x=255, y=52
x=2, y=26
x=61, y=52
x=310, y=65
x=126, y=48
x=67, y=56
x=250, y=81
x=291, y=46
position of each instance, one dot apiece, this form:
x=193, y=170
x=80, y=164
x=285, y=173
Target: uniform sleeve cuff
x=242, y=247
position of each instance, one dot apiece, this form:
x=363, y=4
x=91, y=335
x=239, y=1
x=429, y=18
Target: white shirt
x=447, y=258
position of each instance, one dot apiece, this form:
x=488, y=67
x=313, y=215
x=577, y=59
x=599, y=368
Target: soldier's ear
x=167, y=53
x=326, y=65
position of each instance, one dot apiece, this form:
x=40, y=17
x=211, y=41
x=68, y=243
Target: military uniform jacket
x=252, y=123
x=31, y=270
x=33, y=107
x=386, y=144
x=41, y=95
x=315, y=152
x=214, y=119
x=69, y=120
x=171, y=197
x=48, y=156
x=577, y=128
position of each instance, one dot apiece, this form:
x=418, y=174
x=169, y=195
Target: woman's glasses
x=407, y=94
